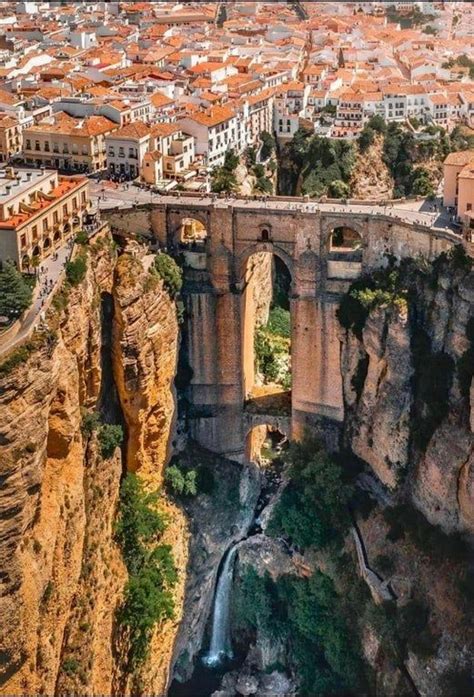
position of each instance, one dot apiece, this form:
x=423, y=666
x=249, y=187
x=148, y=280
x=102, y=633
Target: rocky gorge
x=109, y=357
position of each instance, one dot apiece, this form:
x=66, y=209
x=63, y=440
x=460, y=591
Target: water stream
x=220, y=647
x=219, y=658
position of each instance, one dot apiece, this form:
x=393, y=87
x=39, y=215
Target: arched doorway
x=266, y=329
x=192, y=232
x=345, y=240
x=47, y=246
x=57, y=237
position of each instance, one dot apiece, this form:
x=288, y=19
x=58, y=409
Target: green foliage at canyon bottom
x=304, y=614
x=152, y=573
x=312, y=509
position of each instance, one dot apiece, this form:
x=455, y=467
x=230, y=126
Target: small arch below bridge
x=265, y=442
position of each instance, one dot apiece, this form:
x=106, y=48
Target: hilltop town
x=161, y=90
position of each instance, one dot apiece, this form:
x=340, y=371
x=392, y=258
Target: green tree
x=179, y=482
x=15, y=293
x=366, y=138
x=268, y=145
x=110, y=437
x=377, y=123
x=169, y=272
x=223, y=181
x=313, y=507
x=231, y=160
x=339, y=189
x=76, y=270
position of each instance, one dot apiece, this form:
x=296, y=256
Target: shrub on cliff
x=179, y=482
x=76, y=270
x=90, y=422
x=268, y=145
x=15, y=292
x=170, y=273
x=110, y=437
x=148, y=593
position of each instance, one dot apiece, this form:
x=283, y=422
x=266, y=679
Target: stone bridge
x=324, y=247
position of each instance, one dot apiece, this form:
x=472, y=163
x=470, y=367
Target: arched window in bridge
x=192, y=232
x=265, y=235
x=345, y=239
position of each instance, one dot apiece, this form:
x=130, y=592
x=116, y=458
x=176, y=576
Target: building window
x=46, y=147
x=34, y=232
x=28, y=144
x=37, y=145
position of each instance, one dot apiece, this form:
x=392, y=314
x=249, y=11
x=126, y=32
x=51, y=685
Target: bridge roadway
x=128, y=196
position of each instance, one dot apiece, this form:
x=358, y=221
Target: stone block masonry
x=300, y=235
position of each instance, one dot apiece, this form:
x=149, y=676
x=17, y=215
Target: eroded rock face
x=44, y=463
x=63, y=574
x=392, y=395
x=377, y=373
x=145, y=341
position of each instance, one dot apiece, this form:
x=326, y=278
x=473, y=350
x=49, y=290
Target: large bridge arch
x=271, y=248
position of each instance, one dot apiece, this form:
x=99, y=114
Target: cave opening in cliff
x=108, y=403
x=266, y=333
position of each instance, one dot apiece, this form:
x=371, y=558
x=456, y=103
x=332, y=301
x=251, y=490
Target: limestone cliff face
x=145, y=340
x=407, y=384
x=44, y=464
x=62, y=573
x=371, y=178
x=145, y=354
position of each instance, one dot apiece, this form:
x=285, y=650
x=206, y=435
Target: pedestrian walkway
x=45, y=286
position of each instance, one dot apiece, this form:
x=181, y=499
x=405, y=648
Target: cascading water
x=221, y=646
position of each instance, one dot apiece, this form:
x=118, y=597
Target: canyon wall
x=407, y=385
x=63, y=576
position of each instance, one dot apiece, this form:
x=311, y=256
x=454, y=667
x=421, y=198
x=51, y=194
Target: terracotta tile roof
x=158, y=99
x=213, y=116
x=64, y=187
x=164, y=129
x=136, y=129
x=460, y=158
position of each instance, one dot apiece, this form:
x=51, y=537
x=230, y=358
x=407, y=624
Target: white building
x=216, y=131
x=126, y=148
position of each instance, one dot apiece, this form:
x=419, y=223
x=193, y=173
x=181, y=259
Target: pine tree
x=15, y=294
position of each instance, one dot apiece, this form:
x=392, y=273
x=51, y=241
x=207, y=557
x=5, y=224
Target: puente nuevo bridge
x=323, y=246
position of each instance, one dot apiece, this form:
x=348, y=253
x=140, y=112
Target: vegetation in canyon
x=152, y=573
x=170, y=273
x=316, y=166
x=272, y=345
x=303, y=614
x=312, y=509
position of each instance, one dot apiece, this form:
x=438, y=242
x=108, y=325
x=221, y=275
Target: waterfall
x=221, y=646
